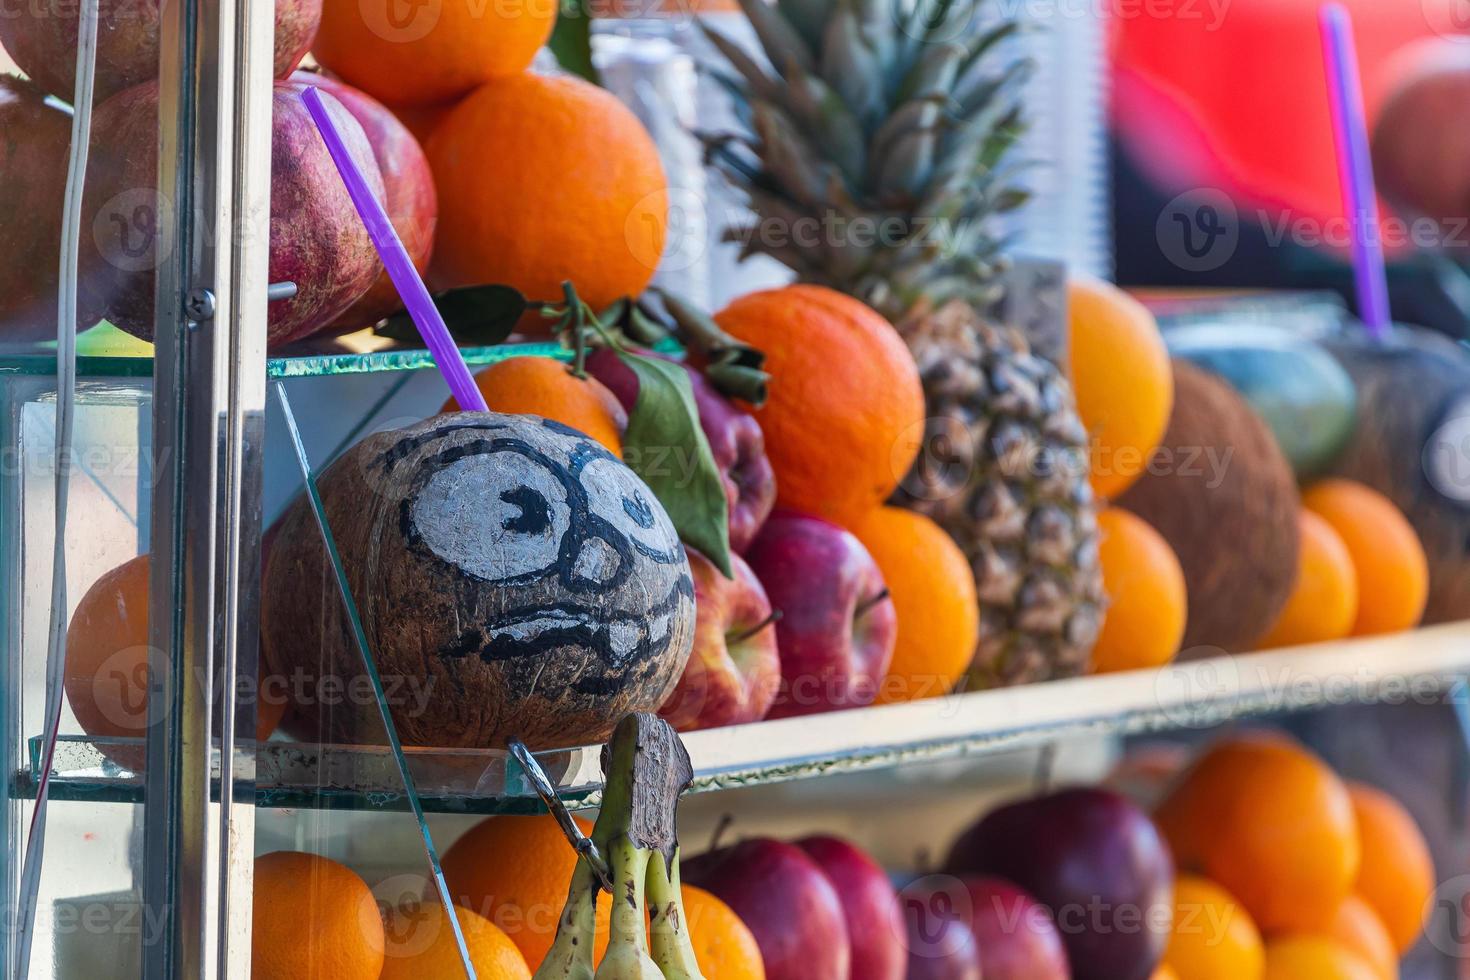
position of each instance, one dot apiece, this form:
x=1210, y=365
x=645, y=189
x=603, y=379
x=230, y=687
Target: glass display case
x=198, y=686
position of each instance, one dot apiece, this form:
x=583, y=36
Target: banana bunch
x=645, y=768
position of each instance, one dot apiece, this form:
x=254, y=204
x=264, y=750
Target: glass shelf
x=1428, y=665
x=106, y=352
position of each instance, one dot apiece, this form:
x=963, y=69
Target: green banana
x=570, y=957
x=645, y=768
x=627, y=948
x=672, y=949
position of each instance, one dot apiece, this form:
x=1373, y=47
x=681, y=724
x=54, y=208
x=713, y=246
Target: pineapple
x=875, y=145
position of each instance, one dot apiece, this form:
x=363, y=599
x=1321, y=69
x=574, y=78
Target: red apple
x=317, y=239
x=733, y=674
x=870, y=905
x=41, y=37
x=1097, y=862
x=1017, y=936
x=786, y=901
x=33, y=151
x=735, y=441
x=837, y=626
x=941, y=945
x=413, y=204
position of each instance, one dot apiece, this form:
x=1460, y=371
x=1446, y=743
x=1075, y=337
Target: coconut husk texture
x=1412, y=444
x=1222, y=493
x=513, y=578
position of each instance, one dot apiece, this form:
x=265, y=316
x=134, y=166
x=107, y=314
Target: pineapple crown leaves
x=888, y=110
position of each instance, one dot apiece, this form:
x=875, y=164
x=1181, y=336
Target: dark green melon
x=1292, y=382
x=1412, y=444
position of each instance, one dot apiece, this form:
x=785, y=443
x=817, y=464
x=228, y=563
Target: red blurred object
x=1232, y=94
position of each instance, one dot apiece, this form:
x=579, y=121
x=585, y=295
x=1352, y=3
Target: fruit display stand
x=222, y=489
x=357, y=790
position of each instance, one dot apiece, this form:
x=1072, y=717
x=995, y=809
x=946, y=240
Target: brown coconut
x=1222, y=492
x=1412, y=444
x=514, y=579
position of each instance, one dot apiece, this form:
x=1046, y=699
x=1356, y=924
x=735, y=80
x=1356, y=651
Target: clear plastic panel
x=384, y=837
x=90, y=889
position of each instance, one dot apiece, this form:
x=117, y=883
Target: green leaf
x=571, y=40
x=665, y=445
x=736, y=369
x=477, y=316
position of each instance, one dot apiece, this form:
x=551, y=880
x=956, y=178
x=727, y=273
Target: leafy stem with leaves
x=663, y=426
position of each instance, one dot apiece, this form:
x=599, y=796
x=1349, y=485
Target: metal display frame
x=209, y=423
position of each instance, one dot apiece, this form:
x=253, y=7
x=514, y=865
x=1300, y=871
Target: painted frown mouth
x=618, y=641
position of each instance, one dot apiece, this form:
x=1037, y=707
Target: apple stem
x=714, y=839
x=867, y=604
x=771, y=620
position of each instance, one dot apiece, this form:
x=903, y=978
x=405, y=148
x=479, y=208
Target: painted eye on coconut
x=509, y=528
x=631, y=512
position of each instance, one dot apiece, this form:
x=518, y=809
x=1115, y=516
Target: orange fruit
x=515, y=871
x=724, y=947
x=1272, y=824
x=313, y=919
x=845, y=417
x=419, y=944
x=1393, y=573
x=1184, y=816
x=1313, y=958
x=933, y=591
x=107, y=671
x=1358, y=929
x=543, y=180
x=107, y=652
x=1165, y=972
x=420, y=53
x=1214, y=937
x=1121, y=375
x=547, y=387
x=1397, y=874
x=1324, y=601
x=1147, y=600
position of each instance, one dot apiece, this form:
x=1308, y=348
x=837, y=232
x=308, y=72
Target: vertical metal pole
x=209, y=423
x=12, y=740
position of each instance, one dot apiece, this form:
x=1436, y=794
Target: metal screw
x=280, y=290
x=199, y=307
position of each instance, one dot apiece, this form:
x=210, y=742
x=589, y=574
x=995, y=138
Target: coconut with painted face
x=514, y=580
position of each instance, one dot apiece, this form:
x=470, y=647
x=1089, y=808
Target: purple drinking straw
x=1355, y=166
x=395, y=258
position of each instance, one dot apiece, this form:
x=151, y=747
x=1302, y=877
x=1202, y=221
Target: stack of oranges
x=1362, y=570
x=542, y=179
x=1125, y=390
x=839, y=442
x=514, y=871
x=1287, y=871
x=508, y=877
